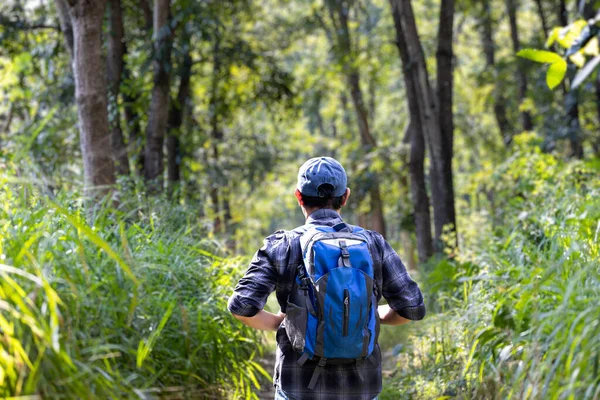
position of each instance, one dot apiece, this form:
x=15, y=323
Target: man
x=321, y=193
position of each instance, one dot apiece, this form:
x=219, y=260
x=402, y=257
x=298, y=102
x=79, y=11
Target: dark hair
x=325, y=198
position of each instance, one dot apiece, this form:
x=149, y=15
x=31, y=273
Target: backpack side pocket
x=295, y=325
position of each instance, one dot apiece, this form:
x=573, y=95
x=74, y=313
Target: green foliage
x=580, y=39
x=556, y=70
x=116, y=303
x=524, y=322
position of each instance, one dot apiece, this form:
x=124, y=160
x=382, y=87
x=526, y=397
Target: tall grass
x=520, y=304
x=115, y=303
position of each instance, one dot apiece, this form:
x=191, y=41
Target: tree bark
x=445, y=83
x=134, y=129
x=90, y=87
x=543, y=20
x=511, y=7
x=418, y=188
x=66, y=25
x=147, y=10
x=215, y=105
x=116, y=51
x=417, y=139
x=489, y=48
x=159, y=106
x=573, y=125
x=175, y=119
x=413, y=60
x=339, y=14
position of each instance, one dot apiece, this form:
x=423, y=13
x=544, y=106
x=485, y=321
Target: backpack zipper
x=346, y=312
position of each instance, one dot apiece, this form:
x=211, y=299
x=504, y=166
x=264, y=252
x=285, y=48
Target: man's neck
x=309, y=211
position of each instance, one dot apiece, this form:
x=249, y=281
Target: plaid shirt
x=273, y=268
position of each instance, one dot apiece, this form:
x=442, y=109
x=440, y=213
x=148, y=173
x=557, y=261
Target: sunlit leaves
x=558, y=66
x=556, y=73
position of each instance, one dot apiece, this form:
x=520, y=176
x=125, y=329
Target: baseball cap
x=318, y=171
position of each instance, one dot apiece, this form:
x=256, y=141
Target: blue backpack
x=331, y=314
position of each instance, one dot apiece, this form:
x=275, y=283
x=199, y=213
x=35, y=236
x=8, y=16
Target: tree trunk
x=147, y=10
x=418, y=188
x=542, y=15
x=573, y=125
x=62, y=8
x=413, y=56
x=339, y=13
x=417, y=140
x=511, y=7
x=175, y=120
x=215, y=108
x=134, y=129
x=159, y=107
x=445, y=83
x=116, y=51
x=489, y=48
x=90, y=87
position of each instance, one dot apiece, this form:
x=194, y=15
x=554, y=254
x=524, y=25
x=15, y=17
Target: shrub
x=116, y=302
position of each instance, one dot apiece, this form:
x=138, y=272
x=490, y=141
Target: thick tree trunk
x=175, y=119
x=445, y=83
x=489, y=48
x=90, y=87
x=427, y=109
x=339, y=12
x=417, y=140
x=511, y=7
x=159, y=107
x=116, y=51
x=418, y=188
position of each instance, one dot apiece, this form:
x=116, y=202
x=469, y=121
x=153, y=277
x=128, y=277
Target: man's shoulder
x=282, y=240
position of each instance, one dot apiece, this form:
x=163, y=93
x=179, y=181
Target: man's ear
x=346, y=196
x=299, y=197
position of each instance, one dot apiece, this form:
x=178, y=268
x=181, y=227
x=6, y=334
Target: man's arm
x=263, y=320
x=404, y=298
x=251, y=293
x=387, y=316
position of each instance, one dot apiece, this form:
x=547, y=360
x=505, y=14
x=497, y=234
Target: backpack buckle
x=345, y=253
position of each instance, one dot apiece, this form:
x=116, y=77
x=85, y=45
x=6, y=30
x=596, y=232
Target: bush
x=520, y=300
x=116, y=303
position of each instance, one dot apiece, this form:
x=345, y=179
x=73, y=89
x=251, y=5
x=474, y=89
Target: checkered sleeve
x=260, y=280
x=401, y=292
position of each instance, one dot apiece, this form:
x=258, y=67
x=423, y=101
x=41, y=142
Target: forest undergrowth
x=115, y=302
x=515, y=313
x=129, y=300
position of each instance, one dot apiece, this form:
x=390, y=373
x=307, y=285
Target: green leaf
x=553, y=36
x=556, y=73
x=540, y=56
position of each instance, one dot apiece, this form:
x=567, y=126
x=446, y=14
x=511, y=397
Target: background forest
x=147, y=147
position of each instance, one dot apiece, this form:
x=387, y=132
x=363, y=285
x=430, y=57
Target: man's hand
x=263, y=320
x=387, y=316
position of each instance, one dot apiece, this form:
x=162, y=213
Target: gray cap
x=317, y=171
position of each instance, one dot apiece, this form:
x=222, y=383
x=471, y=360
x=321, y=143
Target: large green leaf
x=556, y=73
x=540, y=56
